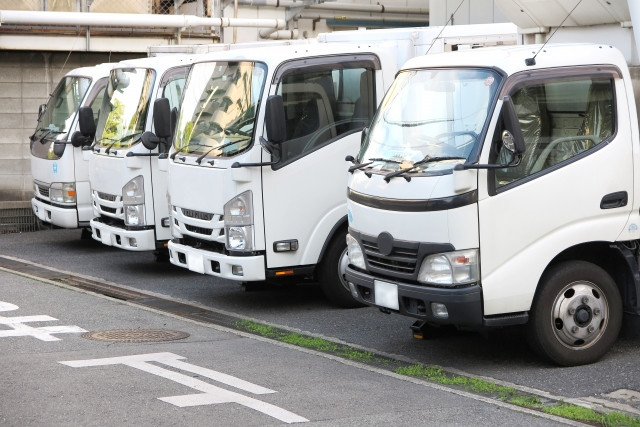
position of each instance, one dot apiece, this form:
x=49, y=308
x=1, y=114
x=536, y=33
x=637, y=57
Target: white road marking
x=20, y=329
x=209, y=394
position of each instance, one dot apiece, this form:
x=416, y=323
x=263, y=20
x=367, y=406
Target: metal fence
x=165, y=7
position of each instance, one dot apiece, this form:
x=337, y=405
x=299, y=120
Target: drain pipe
x=349, y=7
x=317, y=16
x=278, y=34
x=373, y=8
x=130, y=20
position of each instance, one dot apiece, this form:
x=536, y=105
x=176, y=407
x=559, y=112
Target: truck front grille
x=199, y=230
x=402, y=259
x=43, y=190
x=105, y=196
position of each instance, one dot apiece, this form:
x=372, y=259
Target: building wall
x=469, y=12
x=26, y=80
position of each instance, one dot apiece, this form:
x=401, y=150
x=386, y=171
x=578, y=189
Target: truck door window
x=96, y=102
x=173, y=91
x=559, y=119
x=322, y=105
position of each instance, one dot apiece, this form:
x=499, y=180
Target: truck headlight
x=354, y=251
x=63, y=192
x=238, y=222
x=239, y=238
x=450, y=269
x=133, y=200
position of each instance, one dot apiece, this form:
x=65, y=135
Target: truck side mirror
x=41, y=109
x=512, y=138
x=162, y=124
x=87, y=126
x=162, y=118
x=275, y=120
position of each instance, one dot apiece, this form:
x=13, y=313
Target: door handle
x=614, y=200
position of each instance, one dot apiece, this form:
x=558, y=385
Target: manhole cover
x=135, y=335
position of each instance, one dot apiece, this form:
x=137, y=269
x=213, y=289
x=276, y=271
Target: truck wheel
x=576, y=315
x=331, y=273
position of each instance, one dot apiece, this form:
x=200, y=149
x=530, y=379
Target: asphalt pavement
x=70, y=357
x=501, y=357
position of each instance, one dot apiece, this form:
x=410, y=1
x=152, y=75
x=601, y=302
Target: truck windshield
x=219, y=108
x=430, y=118
x=123, y=113
x=55, y=122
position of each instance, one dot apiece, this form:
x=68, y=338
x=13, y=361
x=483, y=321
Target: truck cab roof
x=511, y=59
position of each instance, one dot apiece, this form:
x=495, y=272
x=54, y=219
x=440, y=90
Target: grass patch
x=314, y=343
x=357, y=355
x=309, y=342
x=513, y=396
x=258, y=329
x=438, y=375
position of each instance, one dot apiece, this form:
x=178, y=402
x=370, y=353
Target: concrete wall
x=26, y=80
x=470, y=12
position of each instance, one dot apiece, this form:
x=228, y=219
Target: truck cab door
x=327, y=104
x=578, y=154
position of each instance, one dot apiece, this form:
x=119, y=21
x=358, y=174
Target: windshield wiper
x=123, y=139
x=110, y=145
x=47, y=133
x=220, y=147
x=427, y=159
x=372, y=160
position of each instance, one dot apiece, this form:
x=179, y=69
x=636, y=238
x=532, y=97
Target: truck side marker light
x=439, y=310
x=285, y=246
x=284, y=273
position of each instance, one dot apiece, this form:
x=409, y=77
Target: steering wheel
x=544, y=155
x=317, y=134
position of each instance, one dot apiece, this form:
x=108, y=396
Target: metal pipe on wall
x=130, y=20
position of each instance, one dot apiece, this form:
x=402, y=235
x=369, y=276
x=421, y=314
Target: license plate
x=195, y=262
x=386, y=294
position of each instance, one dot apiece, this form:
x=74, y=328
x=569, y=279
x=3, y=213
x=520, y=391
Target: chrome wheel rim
x=580, y=314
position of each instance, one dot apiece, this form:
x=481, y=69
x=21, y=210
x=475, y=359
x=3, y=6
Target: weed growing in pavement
x=438, y=375
x=513, y=396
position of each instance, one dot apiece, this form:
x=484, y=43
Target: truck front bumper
x=131, y=240
x=239, y=268
x=463, y=305
x=62, y=217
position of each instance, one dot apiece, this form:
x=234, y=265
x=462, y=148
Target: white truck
x=257, y=177
x=60, y=175
x=125, y=170
x=496, y=187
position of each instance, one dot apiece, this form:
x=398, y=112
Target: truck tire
x=576, y=314
x=331, y=273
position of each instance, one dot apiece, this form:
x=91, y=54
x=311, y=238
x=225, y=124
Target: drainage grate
x=135, y=335
x=17, y=219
